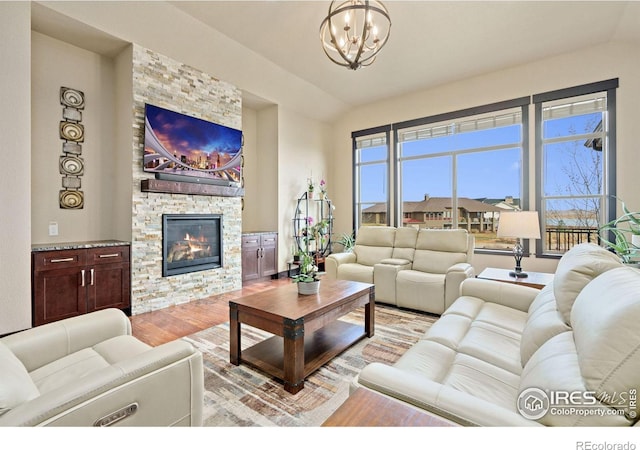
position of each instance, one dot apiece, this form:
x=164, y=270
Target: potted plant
x=323, y=189
x=296, y=252
x=307, y=279
x=310, y=187
x=348, y=241
x=622, y=235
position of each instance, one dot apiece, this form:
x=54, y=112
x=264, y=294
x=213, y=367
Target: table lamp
x=519, y=225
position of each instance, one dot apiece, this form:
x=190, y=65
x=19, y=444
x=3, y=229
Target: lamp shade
x=520, y=224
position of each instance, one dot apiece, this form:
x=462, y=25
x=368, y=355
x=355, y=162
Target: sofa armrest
x=507, y=294
x=41, y=345
x=334, y=260
x=454, y=277
x=442, y=400
x=167, y=383
x=396, y=262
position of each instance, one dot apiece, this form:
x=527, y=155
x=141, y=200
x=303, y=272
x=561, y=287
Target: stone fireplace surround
x=167, y=83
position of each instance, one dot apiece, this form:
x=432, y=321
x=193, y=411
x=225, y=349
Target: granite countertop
x=76, y=245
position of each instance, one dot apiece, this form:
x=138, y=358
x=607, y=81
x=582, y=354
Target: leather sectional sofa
x=89, y=370
x=509, y=355
x=410, y=268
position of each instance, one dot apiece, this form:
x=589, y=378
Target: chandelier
x=354, y=32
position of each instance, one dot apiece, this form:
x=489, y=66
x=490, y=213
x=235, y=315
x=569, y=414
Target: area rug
x=243, y=396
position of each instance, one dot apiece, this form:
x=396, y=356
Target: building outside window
x=575, y=161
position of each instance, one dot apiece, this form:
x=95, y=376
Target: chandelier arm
x=336, y=47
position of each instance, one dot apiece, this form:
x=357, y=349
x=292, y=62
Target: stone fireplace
x=156, y=284
x=190, y=243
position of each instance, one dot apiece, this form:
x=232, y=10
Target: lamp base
x=518, y=274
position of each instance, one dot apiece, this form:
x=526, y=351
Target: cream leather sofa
x=89, y=370
x=499, y=348
x=417, y=269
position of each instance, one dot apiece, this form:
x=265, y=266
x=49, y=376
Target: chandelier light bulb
x=366, y=29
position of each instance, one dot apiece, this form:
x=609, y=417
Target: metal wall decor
x=72, y=133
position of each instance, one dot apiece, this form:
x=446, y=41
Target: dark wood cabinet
x=259, y=255
x=70, y=282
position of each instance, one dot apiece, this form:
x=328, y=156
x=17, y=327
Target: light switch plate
x=53, y=228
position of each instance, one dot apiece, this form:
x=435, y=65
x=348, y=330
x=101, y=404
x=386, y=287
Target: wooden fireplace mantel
x=180, y=187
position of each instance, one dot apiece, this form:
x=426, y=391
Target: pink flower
x=309, y=220
x=322, y=183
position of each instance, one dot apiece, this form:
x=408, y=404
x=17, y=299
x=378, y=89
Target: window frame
x=520, y=102
x=609, y=164
x=356, y=201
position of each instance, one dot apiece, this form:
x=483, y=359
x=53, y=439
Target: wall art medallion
x=71, y=165
x=71, y=199
x=71, y=131
x=72, y=98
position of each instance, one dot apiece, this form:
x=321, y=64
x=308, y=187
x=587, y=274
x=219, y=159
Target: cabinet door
x=58, y=294
x=250, y=257
x=269, y=254
x=109, y=278
x=108, y=287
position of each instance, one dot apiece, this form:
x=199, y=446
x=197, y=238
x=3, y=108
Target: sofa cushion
x=355, y=272
x=420, y=290
x=486, y=331
x=72, y=367
x=483, y=380
x=555, y=367
x=438, y=250
x=16, y=386
x=575, y=269
x=606, y=318
x=404, y=246
x=543, y=322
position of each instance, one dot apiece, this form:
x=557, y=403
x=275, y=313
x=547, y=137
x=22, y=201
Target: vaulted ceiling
x=431, y=42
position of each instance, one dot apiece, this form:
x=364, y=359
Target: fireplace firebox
x=190, y=243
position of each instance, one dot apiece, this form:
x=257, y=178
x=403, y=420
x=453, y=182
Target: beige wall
x=15, y=181
x=617, y=60
x=303, y=145
x=55, y=64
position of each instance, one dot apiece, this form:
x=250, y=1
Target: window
x=371, y=177
x=575, y=159
x=460, y=170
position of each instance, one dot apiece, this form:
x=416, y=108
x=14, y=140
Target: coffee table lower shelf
x=320, y=347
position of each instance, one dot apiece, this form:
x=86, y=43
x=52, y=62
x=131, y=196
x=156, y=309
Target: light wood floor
x=168, y=324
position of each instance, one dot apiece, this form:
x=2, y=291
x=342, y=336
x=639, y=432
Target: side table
x=536, y=280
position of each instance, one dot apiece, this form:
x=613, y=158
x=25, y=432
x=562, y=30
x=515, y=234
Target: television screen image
x=177, y=144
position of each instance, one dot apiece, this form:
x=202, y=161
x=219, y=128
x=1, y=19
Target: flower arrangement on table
x=308, y=270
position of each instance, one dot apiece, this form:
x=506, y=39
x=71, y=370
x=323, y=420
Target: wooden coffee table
x=306, y=329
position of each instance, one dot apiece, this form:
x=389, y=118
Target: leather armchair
x=89, y=370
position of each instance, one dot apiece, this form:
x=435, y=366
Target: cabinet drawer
x=58, y=259
x=108, y=255
x=251, y=241
x=269, y=240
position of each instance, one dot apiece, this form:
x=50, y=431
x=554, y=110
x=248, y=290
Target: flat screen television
x=185, y=148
